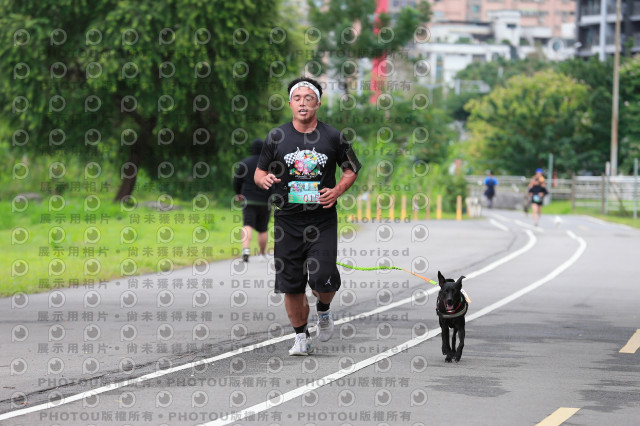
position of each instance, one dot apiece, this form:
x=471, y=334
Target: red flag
x=379, y=69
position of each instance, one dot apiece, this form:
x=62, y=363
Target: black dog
x=451, y=309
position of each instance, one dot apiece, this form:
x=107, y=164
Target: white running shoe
x=245, y=254
x=302, y=345
x=325, y=326
x=262, y=258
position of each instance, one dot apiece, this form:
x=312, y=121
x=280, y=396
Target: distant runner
x=491, y=184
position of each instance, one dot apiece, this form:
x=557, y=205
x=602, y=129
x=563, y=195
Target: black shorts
x=306, y=250
x=256, y=216
x=538, y=200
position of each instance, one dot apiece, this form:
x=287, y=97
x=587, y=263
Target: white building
x=455, y=45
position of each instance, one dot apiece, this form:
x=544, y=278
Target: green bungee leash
x=375, y=268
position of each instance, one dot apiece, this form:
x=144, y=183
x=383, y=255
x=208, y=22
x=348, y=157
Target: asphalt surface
x=551, y=309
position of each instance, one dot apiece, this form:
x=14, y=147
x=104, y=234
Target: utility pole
x=602, y=55
x=616, y=94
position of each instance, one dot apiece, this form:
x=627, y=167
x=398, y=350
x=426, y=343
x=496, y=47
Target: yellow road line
x=632, y=345
x=558, y=417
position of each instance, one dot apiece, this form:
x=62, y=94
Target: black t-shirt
x=305, y=163
x=244, y=184
x=535, y=190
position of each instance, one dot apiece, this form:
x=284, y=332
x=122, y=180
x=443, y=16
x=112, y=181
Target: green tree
x=172, y=87
x=399, y=138
x=598, y=76
x=515, y=127
x=629, y=128
x=396, y=142
x=347, y=30
x=494, y=74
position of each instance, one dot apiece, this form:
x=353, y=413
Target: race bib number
x=536, y=198
x=304, y=192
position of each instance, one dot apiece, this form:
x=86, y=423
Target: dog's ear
x=459, y=282
x=441, y=279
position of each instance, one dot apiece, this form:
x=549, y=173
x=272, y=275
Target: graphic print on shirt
x=305, y=164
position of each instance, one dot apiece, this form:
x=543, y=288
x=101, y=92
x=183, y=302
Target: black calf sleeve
x=323, y=307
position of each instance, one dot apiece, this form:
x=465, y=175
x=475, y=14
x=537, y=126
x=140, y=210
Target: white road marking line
x=499, y=216
x=581, y=248
x=144, y=378
x=494, y=265
x=632, y=345
x=249, y=348
x=281, y=399
x=527, y=226
x=532, y=242
x=498, y=225
x=605, y=223
x=558, y=417
x=596, y=220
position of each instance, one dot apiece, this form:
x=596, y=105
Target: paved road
x=551, y=309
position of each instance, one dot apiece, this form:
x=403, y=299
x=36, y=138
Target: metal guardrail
x=607, y=193
x=604, y=193
x=510, y=193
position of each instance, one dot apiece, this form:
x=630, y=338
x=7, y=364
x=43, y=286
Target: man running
x=299, y=161
x=255, y=209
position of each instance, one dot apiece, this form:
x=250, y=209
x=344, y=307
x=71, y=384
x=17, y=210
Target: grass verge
x=564, y=207
x=83, y=241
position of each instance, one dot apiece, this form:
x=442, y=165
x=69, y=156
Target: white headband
x=304, y=84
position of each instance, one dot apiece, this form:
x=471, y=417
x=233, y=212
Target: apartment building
x=544, y=16
x=596, y=21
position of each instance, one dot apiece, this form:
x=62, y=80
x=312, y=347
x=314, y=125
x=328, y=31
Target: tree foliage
x=396, y=142
x=595, y=145
x=498, y=72
x=344, y=31
x=168, y=86
x=515, y=127
x=598, y=76
x=399, y=138
x=494, y=74
x=629, y=111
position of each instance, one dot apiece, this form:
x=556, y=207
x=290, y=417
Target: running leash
x=375, y=268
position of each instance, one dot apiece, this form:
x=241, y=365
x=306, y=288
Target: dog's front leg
x=446, y=349
x=453, y=341
x=461, y=345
